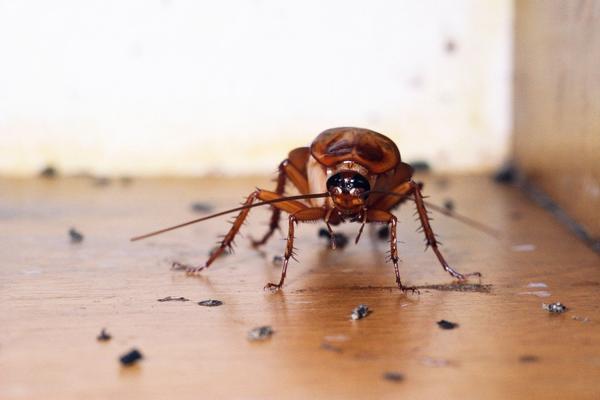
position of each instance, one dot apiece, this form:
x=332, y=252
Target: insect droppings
x=75, y=235
x=103, y=336
x=447, y=324
x=528, y=358
x=201, y=207
x=130, y=358
x=210, y=303
x=393, y=376
x=169, y=298
x=360, y=312
x=260, y=333
x=555, y=308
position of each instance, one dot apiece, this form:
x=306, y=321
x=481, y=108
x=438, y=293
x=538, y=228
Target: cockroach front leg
x=430, y=236
x=374, y=215
x=308, y=214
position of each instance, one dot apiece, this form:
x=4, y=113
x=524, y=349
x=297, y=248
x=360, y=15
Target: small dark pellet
x=323, y=232
x=393, y=376
x=449, y=205
x=131, y=358
x=260, y=333
x=49, y=172
x=103, y=336
x=75, y=236
x=528, y=358
x=210, y=303
x=169, y=298
x=201, y=207
x=360, y=312
x=383, y=233
x=555, y=308
x=447, y=324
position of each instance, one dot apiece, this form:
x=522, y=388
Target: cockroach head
x=348, y=189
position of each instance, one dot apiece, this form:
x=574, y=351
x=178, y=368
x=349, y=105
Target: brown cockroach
x=346, y=175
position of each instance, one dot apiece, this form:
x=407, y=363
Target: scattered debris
x=447, y=324
x=556, y=308
x=339, y=239
x=436, y=362
x=383, y=233
x=103, y=336
x=210, y=303
x=449, y=204
x=48, y=172
x=580, y=319
x=260, y=333
x=330, y=347
x=538, y=293
x=277, y=260
x=360, y=312
x=76, y=236
x=523, y=247
x=393, y=376
x=169, y=298
x=506, y=174
x=537, y=284
x=529, y=358
x=131, y=357
x=201, y=207
x=420, y=166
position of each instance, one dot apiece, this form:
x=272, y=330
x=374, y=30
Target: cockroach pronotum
x=346, y=175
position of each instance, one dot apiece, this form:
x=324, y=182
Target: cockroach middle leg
x=430, y=236
x=374, y=215
x=308, y=214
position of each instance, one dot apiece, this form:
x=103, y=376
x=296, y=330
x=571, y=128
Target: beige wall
x=557, y=103
x=188, y=87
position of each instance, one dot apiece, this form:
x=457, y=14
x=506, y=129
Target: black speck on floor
x=393, y=376
x=420, y=166
x=201, y=207
x=339, y=239
x=76, y=236
x=383, y=233
x=447, y=324
x=360, y=312
x=130, y=358
x=507, y=174
x=260, y=333
x=528, y=358
x=210, y=303
x=169, y=298
x=103, y=336
x=48, y=172
x=277, y=260
x=449, y=204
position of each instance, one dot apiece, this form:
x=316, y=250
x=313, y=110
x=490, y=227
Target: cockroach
x=346, y=175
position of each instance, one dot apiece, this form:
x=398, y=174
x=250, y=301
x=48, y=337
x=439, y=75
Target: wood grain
x=56, y=296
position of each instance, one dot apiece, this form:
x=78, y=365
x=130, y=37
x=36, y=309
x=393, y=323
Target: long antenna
x=465, y=220
x=299, y=197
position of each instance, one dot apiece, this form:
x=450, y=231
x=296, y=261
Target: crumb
x=201, y=207
x=49, y=172
x=529, y=358
x=420, y=166
x=169, y=298
x=130, y=358
x=75, y=236
x=103, y=336
x=360, y=312
x=323, y=232
x=210, y=303
x=384, y=232
x=393, y=376
x=449, y=205
x=447, y=324
x=555, y=308
x=260, y=333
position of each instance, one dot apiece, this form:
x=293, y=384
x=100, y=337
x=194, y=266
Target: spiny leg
x=290, y=206
x=286, y=171
x=430, y=236
x=374, y=215
x=308, y=214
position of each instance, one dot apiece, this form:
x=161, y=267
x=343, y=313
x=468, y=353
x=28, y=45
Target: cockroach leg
x=430, y=236
x=331, y=234
x=364, y=221
x=308, y=214
x=374, y=215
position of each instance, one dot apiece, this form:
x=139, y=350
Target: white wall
x=185, y=86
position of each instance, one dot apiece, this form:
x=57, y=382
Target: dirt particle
x=48, y=172
x=260, y=333
x=555, y=308
x=360, y=312
x=210, y=303
x=449, y=204
x=528, y=358
x=393, y=376
x=383, y=233
x=75, y=236
x=130, y=358
x=169, y=298
x=201, y=207
x=103, y=336
x=447, y=324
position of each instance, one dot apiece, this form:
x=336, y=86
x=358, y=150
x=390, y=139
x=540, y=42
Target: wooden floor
x=56, y=296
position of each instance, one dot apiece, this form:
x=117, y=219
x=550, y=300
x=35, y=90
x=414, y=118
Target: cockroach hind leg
x=189, y=269
x=273, y=287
